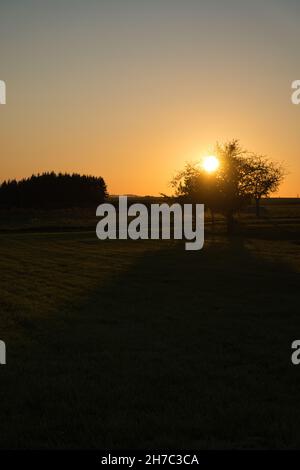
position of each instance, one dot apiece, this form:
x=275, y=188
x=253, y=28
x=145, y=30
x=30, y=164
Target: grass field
x=142, y=344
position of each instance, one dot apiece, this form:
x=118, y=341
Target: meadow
x=123, y=344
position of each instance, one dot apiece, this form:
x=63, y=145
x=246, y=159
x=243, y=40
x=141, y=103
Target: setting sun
x=210, y=164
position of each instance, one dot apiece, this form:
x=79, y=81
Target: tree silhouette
x=263, y=178
x=240, y=178
x=51, y=190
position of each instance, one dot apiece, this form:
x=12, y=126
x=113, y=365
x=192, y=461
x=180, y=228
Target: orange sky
x=130, y=90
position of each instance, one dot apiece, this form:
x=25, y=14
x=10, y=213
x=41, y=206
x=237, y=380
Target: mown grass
x=142, y=344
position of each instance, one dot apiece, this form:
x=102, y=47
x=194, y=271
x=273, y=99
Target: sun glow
x=210, y=164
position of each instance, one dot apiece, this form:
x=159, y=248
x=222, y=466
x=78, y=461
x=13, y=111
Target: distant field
x=142, y=344
x=273, y=210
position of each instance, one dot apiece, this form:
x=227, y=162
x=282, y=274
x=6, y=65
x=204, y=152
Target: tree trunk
x=212, y=219
x=230, y=222
x=257, y=207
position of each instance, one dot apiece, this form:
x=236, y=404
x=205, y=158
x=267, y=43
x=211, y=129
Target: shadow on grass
x=187, y=349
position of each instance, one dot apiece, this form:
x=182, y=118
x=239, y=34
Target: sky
x=132, y=89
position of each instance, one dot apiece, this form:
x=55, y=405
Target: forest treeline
x=51, y=190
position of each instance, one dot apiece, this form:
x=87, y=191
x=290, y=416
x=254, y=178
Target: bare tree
x=263, y=178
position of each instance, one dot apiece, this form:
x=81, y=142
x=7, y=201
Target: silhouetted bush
x=51, y=190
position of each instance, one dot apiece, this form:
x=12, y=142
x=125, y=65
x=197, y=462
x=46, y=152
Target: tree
x=233, y=192
x=221, y=191
x=240, y=178
x=193, y=185
x=263, y=178
x=51, y=190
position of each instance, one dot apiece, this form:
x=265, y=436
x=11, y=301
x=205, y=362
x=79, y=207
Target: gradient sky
x=131, y=89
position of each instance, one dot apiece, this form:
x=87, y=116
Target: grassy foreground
x=142, y=344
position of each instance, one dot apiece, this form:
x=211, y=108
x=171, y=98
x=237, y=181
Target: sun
x=210, y=163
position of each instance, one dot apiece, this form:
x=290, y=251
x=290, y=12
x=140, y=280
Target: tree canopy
x=49, y=190
x=240, y=178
